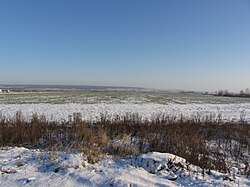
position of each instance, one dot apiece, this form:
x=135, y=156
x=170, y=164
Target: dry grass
x=205, y=141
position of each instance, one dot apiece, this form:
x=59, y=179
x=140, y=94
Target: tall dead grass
x=206, y=141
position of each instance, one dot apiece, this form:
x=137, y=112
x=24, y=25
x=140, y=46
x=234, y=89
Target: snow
x=61, y=112
x=25, y=167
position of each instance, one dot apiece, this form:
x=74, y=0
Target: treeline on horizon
x=226, y=93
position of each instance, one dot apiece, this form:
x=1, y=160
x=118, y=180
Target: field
x=58, y=106
x=123, y=138
x=115, y=98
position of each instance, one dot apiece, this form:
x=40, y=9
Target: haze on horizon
x=187, y=45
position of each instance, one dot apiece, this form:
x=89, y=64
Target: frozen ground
x=24, y=167
x=57, y=106
x=60, y=112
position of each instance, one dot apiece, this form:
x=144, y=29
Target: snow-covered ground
x=60, y=112
x=24, y=167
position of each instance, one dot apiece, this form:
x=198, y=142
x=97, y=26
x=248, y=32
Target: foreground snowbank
x=21, y=167
x=60, y=112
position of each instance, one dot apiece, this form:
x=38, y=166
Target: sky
x=163, y=44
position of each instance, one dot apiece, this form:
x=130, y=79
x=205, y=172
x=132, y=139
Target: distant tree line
x=242, y=93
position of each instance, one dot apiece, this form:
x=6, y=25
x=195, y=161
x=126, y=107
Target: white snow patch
x=61, y=112
x=42, y=168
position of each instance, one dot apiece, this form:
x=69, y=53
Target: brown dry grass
x=205, y=141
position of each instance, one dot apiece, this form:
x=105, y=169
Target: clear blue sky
x=177, y=44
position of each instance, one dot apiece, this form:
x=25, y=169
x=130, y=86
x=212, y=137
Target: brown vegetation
x=206, y=141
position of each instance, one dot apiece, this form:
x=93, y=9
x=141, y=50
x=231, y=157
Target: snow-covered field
x=24, y=167
x=57, y=106
x=60, y=112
